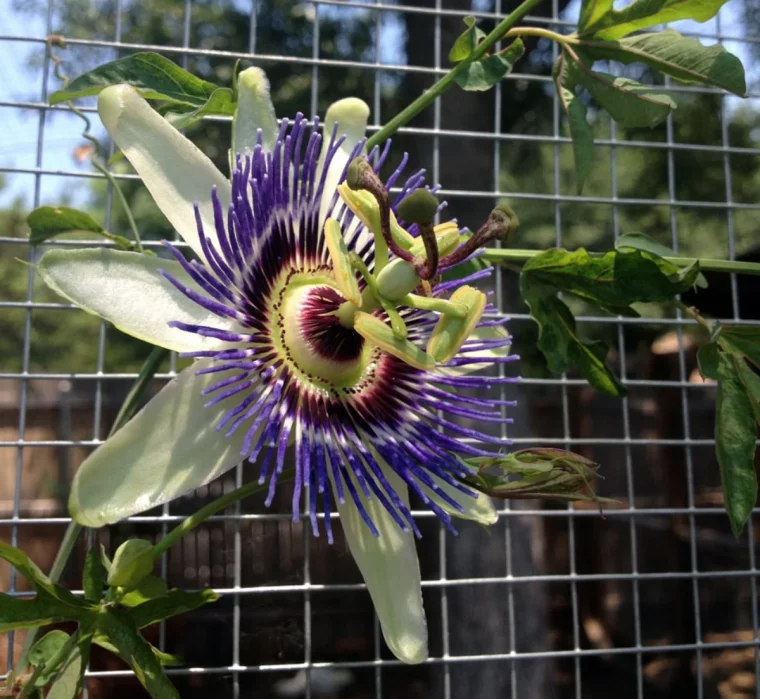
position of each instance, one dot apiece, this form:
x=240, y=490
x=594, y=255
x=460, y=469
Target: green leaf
x=42, y=610
x=581, y=134
x=629, y=102
x=685, y=59
x=614, y=279
x=173, y=603
x=49, y=221
x=93, y=576
x=48, y=651
x=742, y=340
x=708, y=358
x=47, y=647
x=155, y=76
x=39, y=581
x=484, y=74
x=605, y=22
x=166, y=659
x=639, y=241
x=560, y=343
x=751, y=382
x=68, y=681
x=735, y=435
x=591, y=12
x=221, y=102
x=147, y=589
x=132, y=562
x=122, y=633
x=466, y=41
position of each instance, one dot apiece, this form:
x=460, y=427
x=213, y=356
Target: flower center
x=315, y=340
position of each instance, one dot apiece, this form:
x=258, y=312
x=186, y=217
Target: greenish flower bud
x=132, y=562
x=419, y=207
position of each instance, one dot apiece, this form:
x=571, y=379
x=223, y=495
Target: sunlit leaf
x=592, y=11
x=600, y=19
x=150, y=587
x=132, y=562
x=155, y=76
x=47, y=222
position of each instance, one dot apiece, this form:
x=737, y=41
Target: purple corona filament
x=394, y=413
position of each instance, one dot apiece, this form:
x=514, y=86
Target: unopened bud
x=356, y=172
x=132, y=562
x=540, y=473
x=419, y=207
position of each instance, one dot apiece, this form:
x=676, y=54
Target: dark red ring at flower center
x=322, y=330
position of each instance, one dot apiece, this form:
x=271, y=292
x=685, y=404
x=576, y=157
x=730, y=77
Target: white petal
x=175, y=172
x=391, y=570
x=126, y=289
x=351, y=114
x=168, y=449
x=254, y=111
x=479, y=509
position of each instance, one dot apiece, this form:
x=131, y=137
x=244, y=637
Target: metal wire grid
x=513, y=658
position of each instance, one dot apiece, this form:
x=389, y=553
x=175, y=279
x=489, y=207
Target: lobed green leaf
x=685, y=59
x=155, y=76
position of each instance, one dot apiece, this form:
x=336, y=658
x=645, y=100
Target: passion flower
x=317, y=322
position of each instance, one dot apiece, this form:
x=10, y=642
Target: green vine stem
x=447, y=81
x=128, y=409
x=197, y=518
x=706, y=264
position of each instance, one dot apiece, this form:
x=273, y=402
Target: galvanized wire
x=637, y=517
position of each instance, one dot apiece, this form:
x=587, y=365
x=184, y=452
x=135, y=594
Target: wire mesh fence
x=654, y=599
